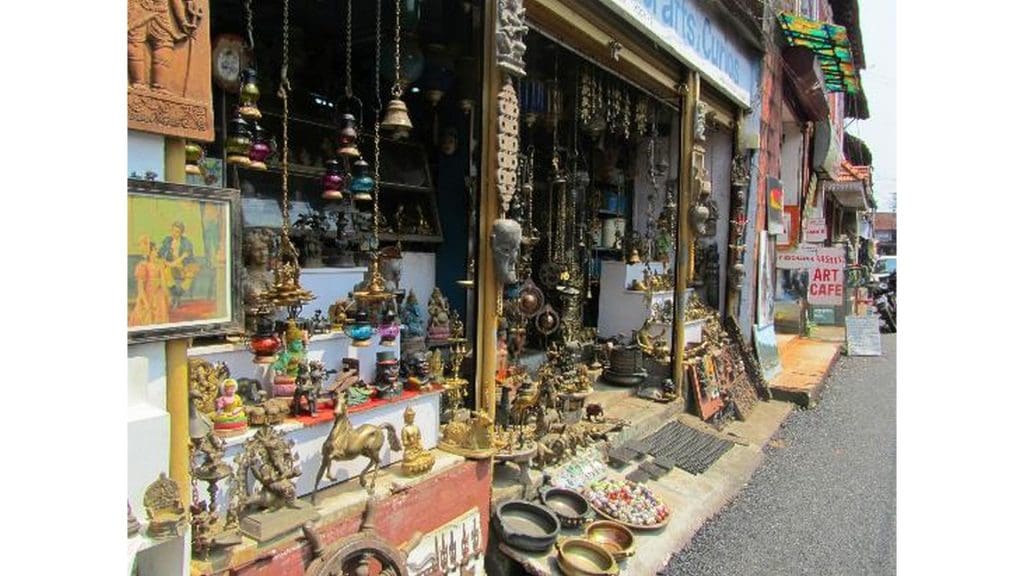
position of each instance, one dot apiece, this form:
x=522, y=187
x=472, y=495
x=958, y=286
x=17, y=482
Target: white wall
x=792, y=152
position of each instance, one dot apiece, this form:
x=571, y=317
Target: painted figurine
x=418, y=368
x=416, y=460
x=288, y=360
x=438, y=328
x=387, y=383
x=305, y=389
x=229, y=418
x=359, y=393
x=412, y=318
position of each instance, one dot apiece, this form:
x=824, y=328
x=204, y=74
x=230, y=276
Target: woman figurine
x=151, y=299
x=230, y=416
x=416, y=460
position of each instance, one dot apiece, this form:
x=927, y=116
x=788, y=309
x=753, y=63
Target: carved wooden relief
x=169, y=83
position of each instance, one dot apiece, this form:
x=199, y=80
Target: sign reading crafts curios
x=685, y=28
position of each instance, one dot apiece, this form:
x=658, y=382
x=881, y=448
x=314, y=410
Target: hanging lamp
x=362, y=183
x=396, y=117
x=349, y=133
x=193, y=156
x=259, y=151
x=239, y=141
x=333, y=181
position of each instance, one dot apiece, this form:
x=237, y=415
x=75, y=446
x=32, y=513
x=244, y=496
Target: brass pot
x=581, y=557
x=617, y=539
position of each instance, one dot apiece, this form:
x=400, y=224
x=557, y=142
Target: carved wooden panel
x=169, y=82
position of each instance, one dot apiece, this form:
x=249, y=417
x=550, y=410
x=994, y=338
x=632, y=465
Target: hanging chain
x=376, y=135
x=248, y=26
x=287, y=247
x=396, y=90
x=348, y=50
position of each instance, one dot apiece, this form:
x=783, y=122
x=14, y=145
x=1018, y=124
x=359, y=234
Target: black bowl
x=570, y=507
x=526, y=526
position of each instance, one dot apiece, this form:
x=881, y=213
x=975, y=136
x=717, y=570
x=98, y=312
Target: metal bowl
x=613, y=537
x=571, y=508
x=526, y=526
x=581, y=557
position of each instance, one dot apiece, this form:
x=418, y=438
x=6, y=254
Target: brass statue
x=416, y=459
x=268, y=456
x=347, y=443
x=164, y=509
x=473, y=438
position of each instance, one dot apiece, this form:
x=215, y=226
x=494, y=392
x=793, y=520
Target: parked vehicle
x=884, y=294
x=884, y=266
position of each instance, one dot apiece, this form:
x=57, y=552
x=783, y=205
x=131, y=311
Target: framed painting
x=184, y=264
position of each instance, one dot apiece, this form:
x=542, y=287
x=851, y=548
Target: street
x=824, y=501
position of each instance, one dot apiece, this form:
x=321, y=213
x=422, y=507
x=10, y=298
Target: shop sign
x=801, y=258
x=862, y=336
x=826, y=288
x=775, y=199
x=686, y=28
x=816, y=230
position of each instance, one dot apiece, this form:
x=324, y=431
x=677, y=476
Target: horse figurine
x=348, y=443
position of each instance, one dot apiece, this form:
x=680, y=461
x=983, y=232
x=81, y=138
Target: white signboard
x=863, y=337
x=815, y=231
x=801, y=258
x=827, y=277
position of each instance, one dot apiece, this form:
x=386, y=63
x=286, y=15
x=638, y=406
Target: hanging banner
x=827, y=278
x=815, y=231
x=775, y=199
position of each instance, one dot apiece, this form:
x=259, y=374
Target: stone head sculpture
x=506, y=236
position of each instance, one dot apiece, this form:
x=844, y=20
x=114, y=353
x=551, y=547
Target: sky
x=878, y=33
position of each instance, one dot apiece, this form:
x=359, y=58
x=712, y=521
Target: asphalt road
x=824, y=501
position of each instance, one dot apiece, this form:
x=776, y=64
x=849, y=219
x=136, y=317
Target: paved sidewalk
x=805, y=363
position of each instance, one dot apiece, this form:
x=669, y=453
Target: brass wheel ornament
x=531, y=299
x=359, y=554
x=548, y=321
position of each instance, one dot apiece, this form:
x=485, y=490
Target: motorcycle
x=884, y=296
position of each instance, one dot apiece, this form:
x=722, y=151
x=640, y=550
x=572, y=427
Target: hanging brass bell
x=396, y=119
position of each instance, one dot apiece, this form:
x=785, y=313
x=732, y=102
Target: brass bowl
x=581, y=557
x=617, y=539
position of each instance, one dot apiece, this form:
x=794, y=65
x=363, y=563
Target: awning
x=832, y=46
x=852, y=186
x=806, y=82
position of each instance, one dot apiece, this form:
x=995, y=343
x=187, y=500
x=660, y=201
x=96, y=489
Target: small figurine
x=318, y=324
x=306, y=389
x=387, y=383
x=268, y=456
x=436, y=367
x=338, y=313
x=359, y=393
x=388, y=329
x=412, y=318
x=419, y=371
x=415, y=460
x=288, y=360
x=164, y=509
x=595, y=413
x=438, y=329
x=229, y=418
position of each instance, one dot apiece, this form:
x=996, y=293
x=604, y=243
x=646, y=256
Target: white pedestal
x=622, y=311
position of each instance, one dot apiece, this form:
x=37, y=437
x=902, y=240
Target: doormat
x=687, y=448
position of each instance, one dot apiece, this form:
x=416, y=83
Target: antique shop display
x=207, y=463
x=418, y=371
x=625, y=366
x=508, y=145
x=571, y=508
x=229, y=417
x=438, y=327
x=506, y=236
x=389, y=329
x=415, y=460
x=581, y=471
x=307, y=387
x=618, y=540
x=582, y=557
x=338, y=314
x=289, y=360
x=526, y=526
x=178, y=286
x=258, y=278
x=632, y=504
x=164, y=510
x=170, y=89
x=412, y=318
x=360, y=330
x=347, y=443
x=387, y=383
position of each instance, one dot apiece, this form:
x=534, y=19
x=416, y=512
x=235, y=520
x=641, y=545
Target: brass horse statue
x=348, y=443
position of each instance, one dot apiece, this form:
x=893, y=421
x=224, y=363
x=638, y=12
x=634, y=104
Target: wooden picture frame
x=184, y=258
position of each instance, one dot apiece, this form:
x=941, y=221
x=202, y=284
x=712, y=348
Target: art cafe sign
x=826, y=270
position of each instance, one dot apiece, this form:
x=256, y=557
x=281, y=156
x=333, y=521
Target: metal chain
x=396, y=90
x=376, y=135
x=348, y=50
x=248, y=25
x=287, y=248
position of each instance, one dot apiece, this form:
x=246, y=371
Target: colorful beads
x=627, y=501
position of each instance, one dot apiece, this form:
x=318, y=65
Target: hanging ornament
x=348, y=137
x=193, y=156
x=333, y=181
x=362, y=183
x=249, y=95
x=396, y=118
x=531, y=299
x=547, y=321
x=239, y=142
x=260, y=150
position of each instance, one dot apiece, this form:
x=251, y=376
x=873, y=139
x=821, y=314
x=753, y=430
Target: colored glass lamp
x=193, y=155
x=248, y=95
x=239, y=142
x=264, y=344
x=360, y=331
x=260, y=149
x=389, y=329
x=348, y=137
x=396, y=119
x=362, y=183
x=333, y=181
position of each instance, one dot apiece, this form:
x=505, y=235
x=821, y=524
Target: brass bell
x=634, y=257
x=396, y=119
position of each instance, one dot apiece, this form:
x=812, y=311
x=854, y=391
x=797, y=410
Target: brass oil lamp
x=348, y=137
x=193, y=156
x=260, y=149
x=248, y=95
x=333, y=181
x=238, y=142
